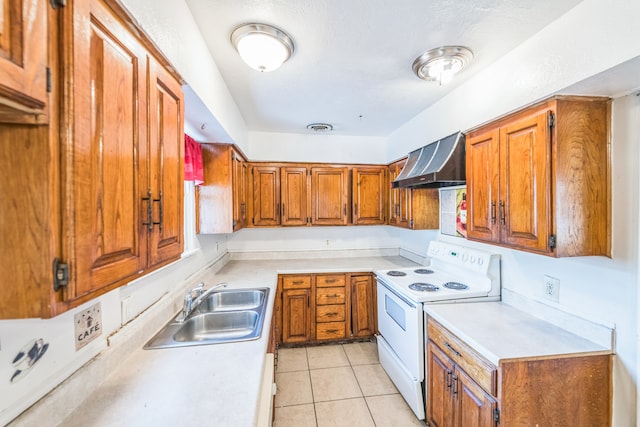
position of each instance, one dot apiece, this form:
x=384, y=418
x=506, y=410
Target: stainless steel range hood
x=439, y=164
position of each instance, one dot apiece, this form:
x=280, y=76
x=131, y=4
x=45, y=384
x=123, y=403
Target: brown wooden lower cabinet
x=320, y=307
x=464, y=389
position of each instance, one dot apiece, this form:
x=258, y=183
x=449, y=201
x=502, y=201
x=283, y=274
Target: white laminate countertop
x=213, y=385
x=501, y=332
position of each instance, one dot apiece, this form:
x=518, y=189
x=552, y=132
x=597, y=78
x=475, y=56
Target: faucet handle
x=198, y=289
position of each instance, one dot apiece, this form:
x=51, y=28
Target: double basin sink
x=221, y=316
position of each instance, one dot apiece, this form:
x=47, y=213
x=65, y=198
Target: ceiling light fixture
x=320, y=127
x=442, y=63
x=263, y=47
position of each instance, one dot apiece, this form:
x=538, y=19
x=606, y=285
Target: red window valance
x=193, y=169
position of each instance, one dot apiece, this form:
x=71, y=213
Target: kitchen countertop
x=204, y=385
x=500, y=332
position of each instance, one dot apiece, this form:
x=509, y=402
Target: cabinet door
x=266, y=195
x=293, y=182
x=399, y=199
x=239, y=190
x=296, y=315
x=329, y=196
x=439, y=379
x=23, y=60
x=525, y=183
x=368, y=196
x=363, y=306
x=483, y=162
x=166, y=153
x=474, y=406
x=108, y=167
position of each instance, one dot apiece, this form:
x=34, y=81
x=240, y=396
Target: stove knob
x=480, y=261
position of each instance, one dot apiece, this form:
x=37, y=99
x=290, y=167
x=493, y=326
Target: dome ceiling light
x=263, y=47
x=320, y=127
x=442, y=63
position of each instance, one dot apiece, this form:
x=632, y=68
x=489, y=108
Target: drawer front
x=478, y=368
x=296, y=282
x=326, y=296
x=330, y=280
x=330, y=330
x=330, y=313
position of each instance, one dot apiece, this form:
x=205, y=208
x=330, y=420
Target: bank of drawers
x=331, y=298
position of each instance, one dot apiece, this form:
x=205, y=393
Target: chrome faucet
x=190, y=303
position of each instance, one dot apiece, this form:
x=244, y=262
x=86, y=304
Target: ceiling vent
x=320, y=127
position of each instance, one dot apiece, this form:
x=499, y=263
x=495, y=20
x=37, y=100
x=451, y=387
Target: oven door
x=400, y=322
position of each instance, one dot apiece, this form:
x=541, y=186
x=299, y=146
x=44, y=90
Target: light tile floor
x=335, y=386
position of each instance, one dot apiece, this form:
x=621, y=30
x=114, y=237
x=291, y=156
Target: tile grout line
x=361, y=390
x=313, y=398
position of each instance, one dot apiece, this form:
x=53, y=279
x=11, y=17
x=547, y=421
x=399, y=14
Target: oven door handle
x=394, y=292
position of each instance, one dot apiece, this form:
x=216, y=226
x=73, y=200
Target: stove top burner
x=424, y=287
x=423, y=271
x=396, y=273
x=456, y=286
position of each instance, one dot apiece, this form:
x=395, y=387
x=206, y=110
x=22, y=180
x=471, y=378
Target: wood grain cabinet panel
x=296, y=313
x=294, y=195
x=23, y=61
x=369, y=195
x=538, y=180
x=266, y=195
x=329, y=195
x=363, y=306
x=221, y=198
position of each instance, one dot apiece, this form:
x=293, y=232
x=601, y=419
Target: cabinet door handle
x=448, y=380
x=502, y=216
x=278, y=209
x=344, y=209
x=160, y=201
x=283, y=209
x=149, y=222
x=446, y=344
x=454, y=380
x=493, y=212
x=355, y=209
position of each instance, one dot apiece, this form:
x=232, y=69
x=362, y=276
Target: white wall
x=324, y=148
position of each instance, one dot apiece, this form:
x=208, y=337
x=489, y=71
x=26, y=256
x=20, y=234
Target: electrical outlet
x=551, y=288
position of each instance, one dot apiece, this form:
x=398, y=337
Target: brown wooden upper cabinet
x=329, y=195
x=221, y=198
x=538, y=179
x=280, y=195
x=414, y=208
x=369, y=195
x=114, y=176
x=23, y=61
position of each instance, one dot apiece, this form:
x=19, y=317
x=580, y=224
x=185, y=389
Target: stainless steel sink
x=221, y=316
x=220, y=325
x=228, y=300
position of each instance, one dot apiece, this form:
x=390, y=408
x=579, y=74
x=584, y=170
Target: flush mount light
x=320, y=127
x=442, y=63
x=263, y=47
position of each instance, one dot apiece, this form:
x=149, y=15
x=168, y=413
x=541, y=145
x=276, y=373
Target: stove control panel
x=460, y=256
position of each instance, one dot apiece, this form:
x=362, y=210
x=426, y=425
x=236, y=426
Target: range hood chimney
x=439, y=164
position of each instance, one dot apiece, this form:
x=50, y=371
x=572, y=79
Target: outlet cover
x=551, y=289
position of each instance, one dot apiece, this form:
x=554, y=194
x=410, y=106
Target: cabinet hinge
x=48, y=80
x=551, y=119
x=496, y=415
x=60, y=274
x=552, y=241
x=58, y=3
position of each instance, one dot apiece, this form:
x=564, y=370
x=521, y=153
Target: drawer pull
x=452, y=349
x=332, y=314
x=298, y=282
x=332, y=331
x=330, y=281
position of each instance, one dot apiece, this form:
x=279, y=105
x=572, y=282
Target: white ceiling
x=352, y=62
